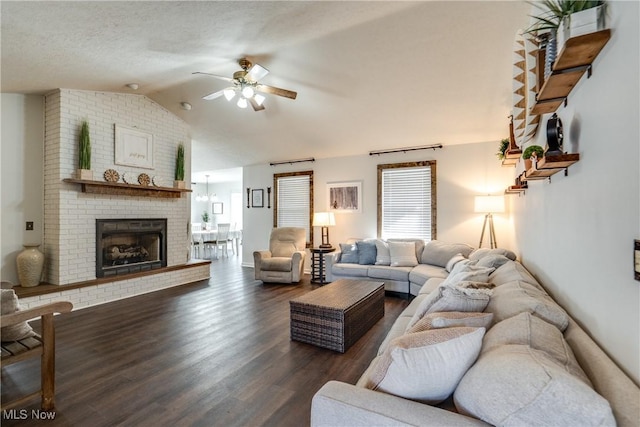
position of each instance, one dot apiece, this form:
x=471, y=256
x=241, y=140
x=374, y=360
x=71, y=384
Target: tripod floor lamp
x=489, y=205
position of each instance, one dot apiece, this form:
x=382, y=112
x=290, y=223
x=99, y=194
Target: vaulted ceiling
x=369, y=75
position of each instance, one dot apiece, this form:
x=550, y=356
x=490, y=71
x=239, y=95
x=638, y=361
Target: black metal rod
x=290, y=162
x=404, y=150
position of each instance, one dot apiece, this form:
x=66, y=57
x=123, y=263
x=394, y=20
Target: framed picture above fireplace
x=133, y=148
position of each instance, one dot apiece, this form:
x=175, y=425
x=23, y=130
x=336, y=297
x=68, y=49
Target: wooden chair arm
x=32, y=313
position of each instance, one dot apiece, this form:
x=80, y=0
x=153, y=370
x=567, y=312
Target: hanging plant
x=85, y=147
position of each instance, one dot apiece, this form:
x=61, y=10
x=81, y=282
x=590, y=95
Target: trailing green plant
x=180, y=164
x=528, y=152
x=554, y=11
x=205, y=216
x=85, y=147
x=502, y=149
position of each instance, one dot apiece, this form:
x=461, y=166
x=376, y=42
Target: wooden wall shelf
x=116, y=188
x=550, y=165
x=576, y=57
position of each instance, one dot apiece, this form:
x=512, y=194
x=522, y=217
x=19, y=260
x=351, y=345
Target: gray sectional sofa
x=482, y=343
x=430, y=262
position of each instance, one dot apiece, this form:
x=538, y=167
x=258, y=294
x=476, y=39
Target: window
x=407, y=200
x=293, y=201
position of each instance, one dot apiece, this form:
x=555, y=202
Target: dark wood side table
x=317, y=264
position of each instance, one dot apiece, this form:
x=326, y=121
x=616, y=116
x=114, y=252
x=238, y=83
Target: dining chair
x=222, y=238
x=196, y=240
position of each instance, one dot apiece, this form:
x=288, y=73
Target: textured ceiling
x=369, y=75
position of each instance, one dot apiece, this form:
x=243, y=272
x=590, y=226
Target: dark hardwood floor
x=212, y=353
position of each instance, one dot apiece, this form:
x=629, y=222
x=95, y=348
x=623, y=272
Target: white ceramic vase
x=30, y=263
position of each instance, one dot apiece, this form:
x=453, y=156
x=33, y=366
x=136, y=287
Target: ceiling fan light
x=247, y=92
x=259, y=98
x=229, y=93
x=242, y=103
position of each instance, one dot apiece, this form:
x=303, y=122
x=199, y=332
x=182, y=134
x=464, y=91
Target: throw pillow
x=8, y=305
x=349, y=253
x=426, y=366
x=515, y=385
x=482, y=252
x=526, y=329
x=453, y=261
x=403, y=254
x=518, y=297
x=452, y=298
x=492, y=261
x=383, y=257
x=366, y=252
x=467, y=272
x=452, y=319
x=439, y=253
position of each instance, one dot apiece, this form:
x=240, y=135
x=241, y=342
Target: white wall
x=222, y=191
x=576, y=233
x=21, y=177
x=462, y=172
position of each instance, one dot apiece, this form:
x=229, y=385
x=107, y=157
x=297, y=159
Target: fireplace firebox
x=125, y=246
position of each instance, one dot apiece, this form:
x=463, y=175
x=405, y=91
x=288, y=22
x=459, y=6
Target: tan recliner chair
x=284, y=261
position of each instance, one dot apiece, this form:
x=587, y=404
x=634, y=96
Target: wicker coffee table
x=337, y=315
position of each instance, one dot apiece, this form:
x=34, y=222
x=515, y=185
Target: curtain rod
x=290, y=162
x=404, y=150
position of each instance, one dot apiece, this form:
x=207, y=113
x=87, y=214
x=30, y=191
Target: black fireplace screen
x=125, y=246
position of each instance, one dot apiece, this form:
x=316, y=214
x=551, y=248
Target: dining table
x=212, y=234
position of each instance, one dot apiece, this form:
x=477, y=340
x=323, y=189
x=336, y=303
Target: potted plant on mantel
x=179, y=175
x=84, y=157
x=531, y=152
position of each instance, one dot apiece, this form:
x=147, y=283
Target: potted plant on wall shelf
x=531, y=152
x=562, y=19
x=84, y=157
x=179, y=175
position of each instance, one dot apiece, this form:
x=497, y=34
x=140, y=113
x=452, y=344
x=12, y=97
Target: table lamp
x=324, y=220
x=489, y=205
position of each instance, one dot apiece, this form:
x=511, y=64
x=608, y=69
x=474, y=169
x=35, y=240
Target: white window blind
x=406, y=202
x=294, y=202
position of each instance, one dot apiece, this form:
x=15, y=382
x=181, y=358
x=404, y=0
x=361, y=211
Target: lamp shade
x=324, y=219
x=489, y=204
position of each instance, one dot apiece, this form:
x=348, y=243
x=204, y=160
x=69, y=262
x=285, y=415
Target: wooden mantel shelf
x=116, y=188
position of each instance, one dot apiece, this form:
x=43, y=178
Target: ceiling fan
x=246, y=85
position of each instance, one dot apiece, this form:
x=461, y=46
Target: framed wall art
x=216, y=207
x=636, y=259
x=345, y=197
x=133, y=148
x=257, y=198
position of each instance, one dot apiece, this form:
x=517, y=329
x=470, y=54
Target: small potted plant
x=205, y=219
x=179, y=175
x=84, y=157
x=502, y=149
x=532, y=151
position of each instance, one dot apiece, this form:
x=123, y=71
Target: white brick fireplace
x=70, y=215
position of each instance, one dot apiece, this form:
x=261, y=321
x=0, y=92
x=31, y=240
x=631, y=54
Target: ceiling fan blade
x=277, y=91
x=213, y=95
x=255, y=105
x=256, y=72
x=228, y=79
